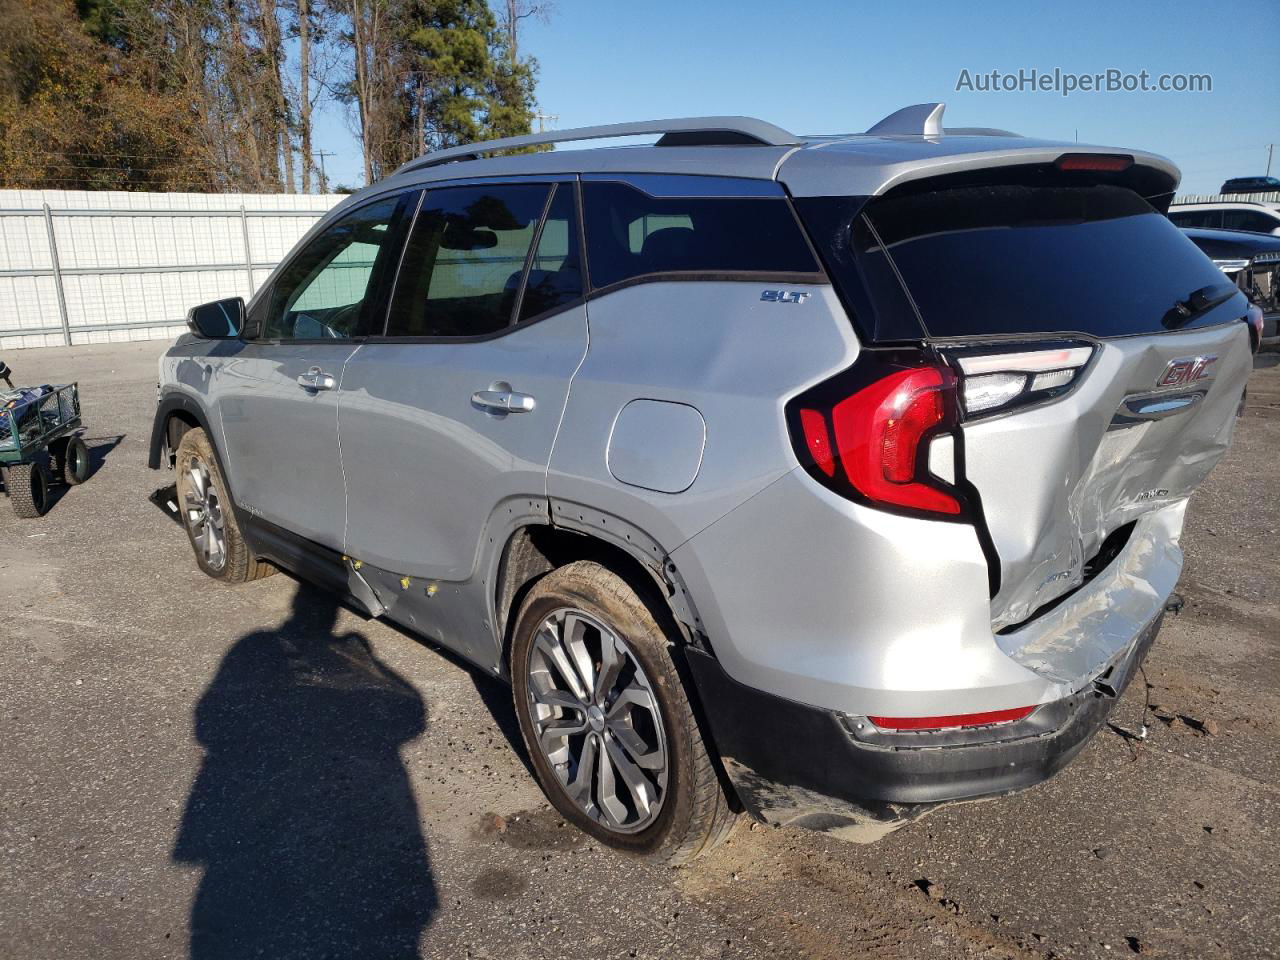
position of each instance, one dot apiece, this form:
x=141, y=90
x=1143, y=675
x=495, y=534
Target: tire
x=75, y=462
x=28, y=488
x=209, y=516
x=679, y=809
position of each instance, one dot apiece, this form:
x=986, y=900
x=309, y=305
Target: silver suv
x=829, y=478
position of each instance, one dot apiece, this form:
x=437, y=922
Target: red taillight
x=1255, y=318
x=879, y=435
x=954, y=720
x=818, y=440
x=1098, y=162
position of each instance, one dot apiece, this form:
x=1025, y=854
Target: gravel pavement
x=189, y=769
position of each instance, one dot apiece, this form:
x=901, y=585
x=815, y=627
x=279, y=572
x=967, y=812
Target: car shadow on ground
x=302, y=816
x=494, y=693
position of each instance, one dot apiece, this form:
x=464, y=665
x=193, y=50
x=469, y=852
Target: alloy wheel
x=203, y=514
x=597, y=721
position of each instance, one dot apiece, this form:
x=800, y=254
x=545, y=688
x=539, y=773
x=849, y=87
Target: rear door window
x=465, y=260
x=631, y=234
x=555, y=273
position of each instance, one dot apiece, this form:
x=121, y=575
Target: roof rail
x=706, y=130
x=917, y=120
x=979, y=132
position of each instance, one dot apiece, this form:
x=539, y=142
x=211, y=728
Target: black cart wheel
x=28, y=487
x=75, y=462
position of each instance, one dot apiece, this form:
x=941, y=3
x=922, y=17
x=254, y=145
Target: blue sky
x=839, y=66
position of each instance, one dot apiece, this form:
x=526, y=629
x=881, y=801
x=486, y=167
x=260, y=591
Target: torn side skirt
x=795, y=764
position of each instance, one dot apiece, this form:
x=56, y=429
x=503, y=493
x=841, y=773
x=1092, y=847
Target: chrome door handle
x=317, y=379
x=502, y=399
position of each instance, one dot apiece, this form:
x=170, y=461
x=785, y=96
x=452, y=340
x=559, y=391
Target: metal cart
x=39, y=444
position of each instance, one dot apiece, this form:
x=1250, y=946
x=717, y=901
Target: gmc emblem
x=1186, y=370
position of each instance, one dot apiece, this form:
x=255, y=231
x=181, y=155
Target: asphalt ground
x=189, y=769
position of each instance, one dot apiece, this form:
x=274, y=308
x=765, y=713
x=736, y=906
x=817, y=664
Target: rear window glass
x=631, y=234
x=990, y=260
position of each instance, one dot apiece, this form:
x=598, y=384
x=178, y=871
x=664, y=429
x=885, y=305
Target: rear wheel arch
x=534, y=550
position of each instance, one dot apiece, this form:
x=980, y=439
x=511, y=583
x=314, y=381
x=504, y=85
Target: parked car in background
x=1251, y=185
x=1250, y=216
x=739, y=455
x=1252, y=262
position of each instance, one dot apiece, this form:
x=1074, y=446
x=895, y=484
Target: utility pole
x=540, y=116
x=1270, y=147
x=324, y=181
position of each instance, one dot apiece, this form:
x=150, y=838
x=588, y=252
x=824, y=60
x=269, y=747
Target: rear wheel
x=208, y=515
x=28, y=488
x=75, y=461
x=606, y=721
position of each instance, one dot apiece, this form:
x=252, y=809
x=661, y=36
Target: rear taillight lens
x=873, y=442
x=1257, y=322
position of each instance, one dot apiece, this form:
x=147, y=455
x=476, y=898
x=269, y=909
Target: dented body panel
x=1057, y=480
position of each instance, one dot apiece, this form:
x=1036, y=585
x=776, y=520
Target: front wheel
x=606, y=721
x=208, y=515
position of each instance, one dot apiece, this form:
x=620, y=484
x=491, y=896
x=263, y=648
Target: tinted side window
x=324, y=290
x=1197, y=218
x=466, y=255
x=631, y=234
x=555, y=275
x=1250, y=220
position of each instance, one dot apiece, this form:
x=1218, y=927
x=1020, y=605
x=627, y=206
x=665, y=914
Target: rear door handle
x=317, y=379
x=500, y=398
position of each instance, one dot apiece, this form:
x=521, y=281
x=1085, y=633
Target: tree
x=79, y=113
x=474, y=88
x=510, y=15
x=203, y=94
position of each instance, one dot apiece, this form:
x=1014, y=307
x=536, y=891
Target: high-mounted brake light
x=881, y=435
x=954, y=720
x=1097, y=162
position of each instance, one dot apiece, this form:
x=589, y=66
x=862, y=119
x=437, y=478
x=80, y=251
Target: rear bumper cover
x=791, y=763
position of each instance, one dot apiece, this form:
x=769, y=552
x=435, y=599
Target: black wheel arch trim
x=171, y=403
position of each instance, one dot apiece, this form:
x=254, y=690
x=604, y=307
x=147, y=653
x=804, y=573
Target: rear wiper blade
x=1198, y=301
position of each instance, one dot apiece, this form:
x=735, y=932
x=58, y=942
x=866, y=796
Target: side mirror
x=220, y=320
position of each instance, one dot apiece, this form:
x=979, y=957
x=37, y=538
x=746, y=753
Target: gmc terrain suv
x=829, y=478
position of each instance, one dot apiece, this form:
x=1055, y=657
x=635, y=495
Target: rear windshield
x=990, y=260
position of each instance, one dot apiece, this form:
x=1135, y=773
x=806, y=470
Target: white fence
x=96, y=267
x=1272, y=197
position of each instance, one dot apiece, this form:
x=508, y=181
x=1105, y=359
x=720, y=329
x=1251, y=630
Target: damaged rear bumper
x=794, y=764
